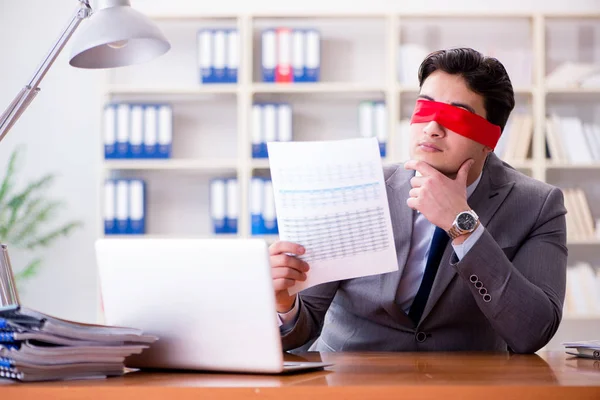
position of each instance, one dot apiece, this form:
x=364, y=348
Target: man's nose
x=434, y=129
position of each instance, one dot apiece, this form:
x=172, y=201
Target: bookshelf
x=359, y=61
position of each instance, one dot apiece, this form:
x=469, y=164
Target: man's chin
x=435, y=162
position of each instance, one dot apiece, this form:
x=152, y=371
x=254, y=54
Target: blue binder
x=205, y=56
x=137, y=207
x=312, y=70
x=218, y=204
x=269, y=55
x=269, y=213
x=110, y=131
x=233, y=56
x=298, y=54
x=110, y=220
x=219, y=55
x=122, y=206
x=150, y=131
x=233, y=209
x=256, y=206
x=165, y=131
x=123, y=130
x=136, y=137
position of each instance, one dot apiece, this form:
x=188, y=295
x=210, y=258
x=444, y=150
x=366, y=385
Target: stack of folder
x=584, y=349
x=38, y=347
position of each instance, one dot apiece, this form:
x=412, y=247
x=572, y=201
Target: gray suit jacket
x=519, y=261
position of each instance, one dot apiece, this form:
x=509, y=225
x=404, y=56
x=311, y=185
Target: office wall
x=61, y=128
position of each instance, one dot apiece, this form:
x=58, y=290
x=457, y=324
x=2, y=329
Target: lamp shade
x=115, y=37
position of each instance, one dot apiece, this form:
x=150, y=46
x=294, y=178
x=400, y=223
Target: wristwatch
x=465, y=222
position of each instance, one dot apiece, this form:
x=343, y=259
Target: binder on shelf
x=270, y=126
x=372, y=122
x=233, y=205
x=137, y=207
x=219, y=53
x=122, y=207
x=165, y=131
x=312, y=69
x=380, y=119
x=123, y=130
x=257, y=224
x=284, y=122
x=232, y=60
x=150, y=132
x=283, y=71
x=298, y=55
x=110, y=220
x=136, y=139
x=269, y=213
x=258, y=132
x=269, y=55
x=218, y=196
x=110, y=131
x=205, y=56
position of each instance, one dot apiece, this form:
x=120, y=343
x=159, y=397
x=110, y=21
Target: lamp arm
x=8, y=289
x=28, y=93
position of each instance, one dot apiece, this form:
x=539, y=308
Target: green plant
x=25, y=215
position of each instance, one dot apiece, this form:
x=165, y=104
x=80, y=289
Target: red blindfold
x=458, y=120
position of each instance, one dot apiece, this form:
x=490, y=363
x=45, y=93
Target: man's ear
x=487, y=149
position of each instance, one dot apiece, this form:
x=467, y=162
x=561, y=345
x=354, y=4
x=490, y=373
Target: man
x=483, y=246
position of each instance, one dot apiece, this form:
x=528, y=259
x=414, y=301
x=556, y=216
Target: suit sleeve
x=522, y=299
x=313, y=304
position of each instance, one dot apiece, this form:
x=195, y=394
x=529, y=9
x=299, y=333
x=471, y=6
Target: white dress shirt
x=415, y=264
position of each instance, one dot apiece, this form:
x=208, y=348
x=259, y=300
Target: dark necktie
x=436, y=251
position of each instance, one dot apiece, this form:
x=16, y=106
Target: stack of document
x=585, y=349
x=38, y=347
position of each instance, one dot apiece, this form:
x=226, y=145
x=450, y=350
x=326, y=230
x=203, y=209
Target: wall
x=61, y=127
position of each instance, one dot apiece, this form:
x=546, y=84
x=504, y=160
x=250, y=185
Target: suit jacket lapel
x=485, y=200
x=402, y=217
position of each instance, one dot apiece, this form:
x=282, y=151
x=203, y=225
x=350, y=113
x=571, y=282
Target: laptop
x=210, y=302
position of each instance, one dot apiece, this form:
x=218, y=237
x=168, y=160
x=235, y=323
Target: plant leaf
x=48, y=238
x=29, y=271
x=33, y=217
x=16, y=202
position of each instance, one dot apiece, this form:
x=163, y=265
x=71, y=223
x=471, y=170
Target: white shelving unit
x=359, y=61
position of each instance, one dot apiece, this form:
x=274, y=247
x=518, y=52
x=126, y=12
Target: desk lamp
x=115, y=35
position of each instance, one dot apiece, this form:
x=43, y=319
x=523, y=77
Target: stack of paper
x=38, y=347
x=585, y=349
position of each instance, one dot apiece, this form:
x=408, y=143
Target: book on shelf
x=38, y=347
x=572, y=141
x=583, y=291
x=573, y=74
x=579, y=219
x=515, y=142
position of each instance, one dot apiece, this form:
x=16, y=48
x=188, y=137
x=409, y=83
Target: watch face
x=466, y=222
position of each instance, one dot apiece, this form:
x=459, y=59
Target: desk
x=355, y=376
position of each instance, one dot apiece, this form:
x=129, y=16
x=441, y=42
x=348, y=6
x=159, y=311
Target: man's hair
x=483, y=75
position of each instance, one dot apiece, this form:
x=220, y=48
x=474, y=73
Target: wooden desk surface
x=354, y=376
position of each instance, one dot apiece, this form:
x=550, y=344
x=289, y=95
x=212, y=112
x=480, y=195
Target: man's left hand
x=436, y=196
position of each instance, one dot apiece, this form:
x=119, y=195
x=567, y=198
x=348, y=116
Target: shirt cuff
x=288, y=320
x=462, y=249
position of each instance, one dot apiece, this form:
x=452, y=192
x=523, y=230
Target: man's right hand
x=286, y=270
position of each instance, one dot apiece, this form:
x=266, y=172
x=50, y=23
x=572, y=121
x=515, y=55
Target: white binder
x=123, y=130
x=109, y=207
x=233, y=206
x=136, y=140
x=137, y=212
x=284, y=123
x=233, y=56
x=205, y=53
x=110, y=131
x=218, y=198
x=150, y=131
x=122, y=207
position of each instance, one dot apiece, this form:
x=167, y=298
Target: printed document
x=330, y=197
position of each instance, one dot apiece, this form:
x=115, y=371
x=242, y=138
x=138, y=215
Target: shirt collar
x=471, y=188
